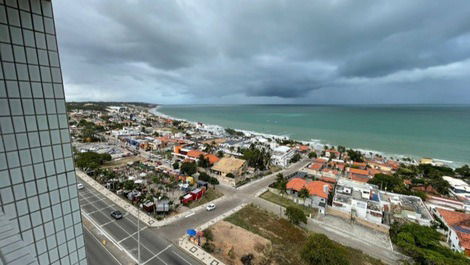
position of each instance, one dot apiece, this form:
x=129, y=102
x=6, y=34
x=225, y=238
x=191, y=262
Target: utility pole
x=138, y=234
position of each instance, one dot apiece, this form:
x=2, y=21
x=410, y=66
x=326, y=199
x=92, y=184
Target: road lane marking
x=109, y=252
x=180, y=257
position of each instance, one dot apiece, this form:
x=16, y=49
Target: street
x=154, y=248
x=96, y=253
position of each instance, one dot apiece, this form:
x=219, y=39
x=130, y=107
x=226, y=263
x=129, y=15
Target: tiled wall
x=37, y=179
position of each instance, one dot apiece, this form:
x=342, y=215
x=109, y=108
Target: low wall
x=377, y=227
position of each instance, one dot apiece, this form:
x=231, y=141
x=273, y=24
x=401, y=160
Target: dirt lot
x=286, y=239
x=122, y=161
x=233, y=242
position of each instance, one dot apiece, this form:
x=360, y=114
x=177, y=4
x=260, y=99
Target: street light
x=138, y=233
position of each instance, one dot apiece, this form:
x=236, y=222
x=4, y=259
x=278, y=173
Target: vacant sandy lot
x=233, y=242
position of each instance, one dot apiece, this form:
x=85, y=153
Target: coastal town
x=228, y=196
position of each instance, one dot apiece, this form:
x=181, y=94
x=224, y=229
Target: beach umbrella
x=191, y=232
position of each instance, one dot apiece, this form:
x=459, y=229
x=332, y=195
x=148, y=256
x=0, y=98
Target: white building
x=282, y=155
x=458, y=188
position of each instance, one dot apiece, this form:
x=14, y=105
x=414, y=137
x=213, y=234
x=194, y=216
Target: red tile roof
x=195, y=153
x=460, y=222
x=359, y=164
x=358, y=171
x=316, y=166
x=296, y=184
x=316, y=188
x=360, y=178
x=212, y=158
x=327, y=179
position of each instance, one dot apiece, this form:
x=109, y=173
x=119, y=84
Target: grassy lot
x=210, y=195
x=284, y=202
x=287, y=239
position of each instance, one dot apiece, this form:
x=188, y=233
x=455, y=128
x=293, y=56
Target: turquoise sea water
x=438, y=131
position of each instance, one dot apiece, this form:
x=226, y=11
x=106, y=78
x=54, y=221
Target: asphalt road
x=155, y=249
x=232, y=198
x=96, y=253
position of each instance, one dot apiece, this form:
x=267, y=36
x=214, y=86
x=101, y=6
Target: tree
x=319, y=249
x=176, y=165
x=91, y=160
x=387, y=182
x=303, y=193
x=203, y=162
x=312, y=155
x=296, y=215
x=355, y=156
x=220, y=154
x=257, y=158
x=295, y=158
x=422, y=243
x=463, y=171
x=188, y=168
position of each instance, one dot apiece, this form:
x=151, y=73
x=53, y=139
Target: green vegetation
x=319, y=249
x=355, y=156
x=210, y=195
x=284, y=202
x=203, y=162
x=188, y=168
x=89, y=131
x=303, y=193
x=90, y=160
x=463, y=171
x=423, y=245
x=296, y=215
x=312, y=155
x=233, y=132
x=205, y=177
x=289, y=240
x=295, y=158
x=257, y=158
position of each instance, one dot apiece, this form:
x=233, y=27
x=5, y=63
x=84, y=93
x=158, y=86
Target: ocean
x=438, y=131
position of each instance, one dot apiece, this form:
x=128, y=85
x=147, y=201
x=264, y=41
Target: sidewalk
x=148, y=220
x=197, y=251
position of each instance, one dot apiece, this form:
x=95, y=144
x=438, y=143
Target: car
x=210, y=207
x=116, y=215
x=80, y=186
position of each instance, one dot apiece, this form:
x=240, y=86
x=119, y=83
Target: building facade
x=38, y=193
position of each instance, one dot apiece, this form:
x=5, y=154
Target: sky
x=265, y=51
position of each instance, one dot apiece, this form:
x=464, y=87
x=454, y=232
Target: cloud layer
x=265, y=51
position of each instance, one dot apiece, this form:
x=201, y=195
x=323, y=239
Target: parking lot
x=123, y=232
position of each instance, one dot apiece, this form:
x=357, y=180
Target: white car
x=210, y=207
x=80, y=186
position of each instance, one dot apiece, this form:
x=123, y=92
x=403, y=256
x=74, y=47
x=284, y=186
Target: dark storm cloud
x=266, y=51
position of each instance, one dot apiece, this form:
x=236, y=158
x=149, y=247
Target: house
x=458, y=229
x=318, y=192
x=197, y=193
x=359, y=175
x=228, y=165
x=331, y=153
x=282, y=155
x=458, y=188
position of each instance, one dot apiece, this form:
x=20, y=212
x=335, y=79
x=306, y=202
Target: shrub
x=296, y=215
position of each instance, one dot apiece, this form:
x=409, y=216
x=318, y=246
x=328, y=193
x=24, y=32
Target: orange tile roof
x=359, y=164
x=296, y=184
x=320, y=160
x=212, y=158
x=177, y=149
x=316, y=188
x=360, y=179
x=195, y=153
x=316, y=166
x=460, y=222
x=358, y=171
x=304, y=148
x=327, y=179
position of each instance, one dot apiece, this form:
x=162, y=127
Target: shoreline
x=315, y=143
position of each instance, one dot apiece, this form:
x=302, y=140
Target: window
x=10, y=142
x=16, y=176
x=22, y=140
x=28, y=108
x=16, y=35
x=19, y=124
x=13, y=159
x=20, y=55
x=13, y=17
x=31, y=56
x=33, y=203
x=15, y=106
x=31, y=188
x=26, y=20
x=40, y=173
x=30, y=120
x=6, y=52
x=19, y=191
